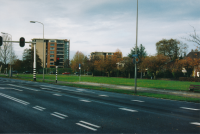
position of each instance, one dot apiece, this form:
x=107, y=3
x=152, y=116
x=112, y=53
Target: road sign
x=79, y=66
x=135, y=55
x=137, y=59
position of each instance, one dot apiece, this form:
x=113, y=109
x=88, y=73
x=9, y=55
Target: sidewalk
x=140, y=89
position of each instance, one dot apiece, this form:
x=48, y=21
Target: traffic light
x=22, y=42
x=1, y=41
x=57, y=62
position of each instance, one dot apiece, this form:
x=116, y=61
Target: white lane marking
x=90, y=124
x=137, y=100
x=50, y=89
x=104, y=95
x=189, y=108
x=17, y=89
x=128, y=110
x=80, y=89
x=14, y=99
x=85, y=100
x=6, y=88
x=195, y=123
x=86, y=126
x=23, y=87
x=61, y=89
x=84, y=90
x=39, y=108
x=57, y=94
x=59, y=115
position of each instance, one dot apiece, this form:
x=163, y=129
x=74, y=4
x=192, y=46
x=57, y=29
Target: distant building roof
x=194, y=55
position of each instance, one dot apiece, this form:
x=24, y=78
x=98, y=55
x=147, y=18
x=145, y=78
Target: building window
x=51, y=55
x=51, y=59
x=60, y=56
x=59, y=48
x=60, y=41
x=59, y=52
x=51, y=52
x=52, y=40
x=51, y=63
x=109, y=53
x=51, y=44
x=60, y=45
x=52, y=48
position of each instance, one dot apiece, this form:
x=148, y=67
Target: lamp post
x=136, y=49
x=43, y=44
x=10, y=53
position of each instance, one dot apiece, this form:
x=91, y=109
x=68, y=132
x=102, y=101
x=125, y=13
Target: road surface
x=33, y=107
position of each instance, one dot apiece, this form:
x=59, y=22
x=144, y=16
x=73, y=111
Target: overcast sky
x=100, y=25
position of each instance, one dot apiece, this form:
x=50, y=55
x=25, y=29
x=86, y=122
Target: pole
x=34, y=63
x=136, y=49
x=56, y=73
x=11, y=58
x=43, y=52
x=80, y=75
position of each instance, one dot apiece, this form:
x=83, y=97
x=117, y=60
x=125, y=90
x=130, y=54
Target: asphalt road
x=33, y=107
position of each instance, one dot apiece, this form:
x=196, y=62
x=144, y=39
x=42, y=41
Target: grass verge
x=159, y=84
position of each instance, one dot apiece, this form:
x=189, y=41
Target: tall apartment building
x=55, y=48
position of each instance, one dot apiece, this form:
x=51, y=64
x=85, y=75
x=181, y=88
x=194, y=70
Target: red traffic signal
x=22, y=42
x=57, y=61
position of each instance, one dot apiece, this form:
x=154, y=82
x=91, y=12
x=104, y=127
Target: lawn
x=160, y=84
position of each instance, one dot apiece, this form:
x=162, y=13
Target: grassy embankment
x=160, y=84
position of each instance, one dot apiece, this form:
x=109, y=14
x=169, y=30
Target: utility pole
x=136, y=49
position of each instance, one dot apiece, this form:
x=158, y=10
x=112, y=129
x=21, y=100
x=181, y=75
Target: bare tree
x=5, y=51
x=194, y=38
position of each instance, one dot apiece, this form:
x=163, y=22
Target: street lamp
x=136, y=49
x=10, y=52
x=43, y=44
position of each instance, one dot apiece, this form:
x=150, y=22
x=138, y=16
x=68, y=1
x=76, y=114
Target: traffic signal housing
x=22, y=42
x=57, y=62
x=1, y=41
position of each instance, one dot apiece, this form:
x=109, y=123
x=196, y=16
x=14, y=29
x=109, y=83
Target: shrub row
x=189, y=79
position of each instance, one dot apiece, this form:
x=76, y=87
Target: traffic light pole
x=34, y=64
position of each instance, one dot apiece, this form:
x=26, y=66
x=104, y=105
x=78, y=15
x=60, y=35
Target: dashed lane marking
x=39, y=108
x=104, y=95
x=195, y=123
x=57, y=94
x=23, y=87
x=17, y=89
x=128, y=110
x=50, y=89
x=85, y=100
x=88, y=127
x=59, y=115
x=189, y=108
x=14, y=99
x=137, y=100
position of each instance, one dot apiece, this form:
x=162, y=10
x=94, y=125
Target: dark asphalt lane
x=84, y=111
